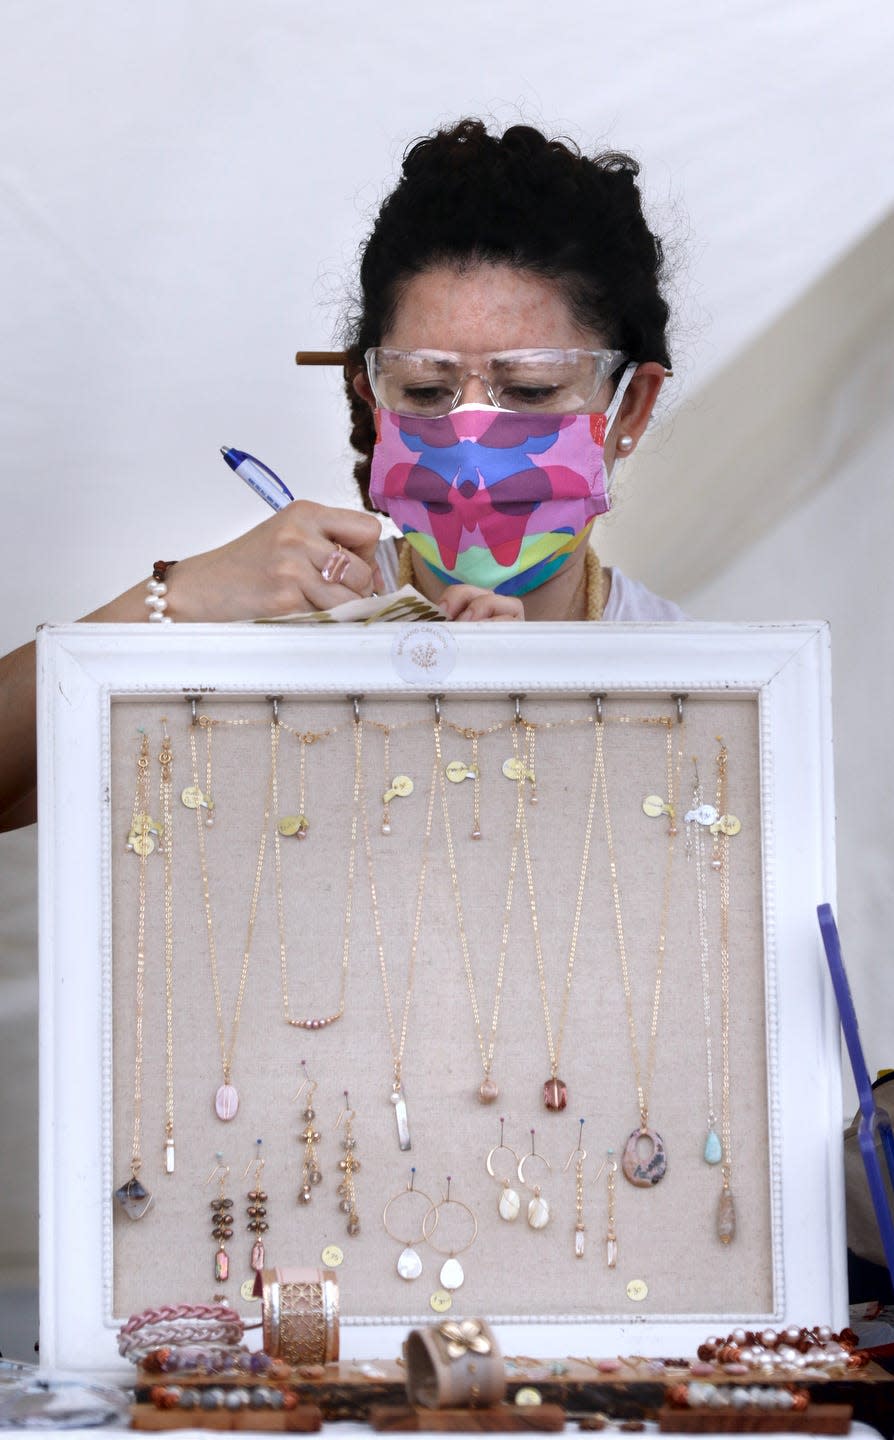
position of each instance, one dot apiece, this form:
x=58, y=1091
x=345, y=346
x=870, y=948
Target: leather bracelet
x=454, y=1365
x=299, y=1311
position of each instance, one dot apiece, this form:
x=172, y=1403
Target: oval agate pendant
x=452, y=1274
x=226, y=1102
x=644, y=1170
x=409, y=1265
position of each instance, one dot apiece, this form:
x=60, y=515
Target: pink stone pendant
x=257, y=1255
x=488, y=1090
x=555, y=1094
x=226, y=1102
x=726, y=1217
x=221, y=1265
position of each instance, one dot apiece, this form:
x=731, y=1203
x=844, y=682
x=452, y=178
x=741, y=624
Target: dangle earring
x=257, y=1211
x=310, y=1163
x=347, y=1190
x=611, y=1239
x=396, y=786
x=538, y=1208
x=452, y=1274
x=579, y=1155
x=409, y=1263
x=509, y=1202
x=221, y=1220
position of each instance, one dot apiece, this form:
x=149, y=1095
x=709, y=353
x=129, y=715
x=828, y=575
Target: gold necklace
x=726, y=1208
x=165, y=788
x=592, y=578
x=639, y=1170
x=398, y=1041
x=555, y=1091
x=488, y=1090
x=301, y=826
x=226, y=1100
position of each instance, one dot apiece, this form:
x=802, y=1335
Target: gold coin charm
x=141, y=842
x=402, y=785
x=458, y=770
x=293, y=824
x=192, y=797
x=637, y=1290
x=653, y=805
x=332, y=1256
x=729, y=824
x=514, y=769
x=440, y=1301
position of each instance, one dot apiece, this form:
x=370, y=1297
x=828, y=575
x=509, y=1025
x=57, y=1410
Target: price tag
x=440, y=1301
x=247, y=1290
x=637, y=1290
x=332, y=1256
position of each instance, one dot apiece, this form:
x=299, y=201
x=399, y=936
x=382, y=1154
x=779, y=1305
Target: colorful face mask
x=493, y=498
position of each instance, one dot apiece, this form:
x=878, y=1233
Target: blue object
x=874, y=1122
x=264, y=481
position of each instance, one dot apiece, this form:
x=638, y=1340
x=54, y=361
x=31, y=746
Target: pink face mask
x=493, y=498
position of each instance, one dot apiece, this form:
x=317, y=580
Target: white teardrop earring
x=409, y=1262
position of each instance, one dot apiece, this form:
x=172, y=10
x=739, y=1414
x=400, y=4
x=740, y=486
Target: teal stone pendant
x=713, y=1151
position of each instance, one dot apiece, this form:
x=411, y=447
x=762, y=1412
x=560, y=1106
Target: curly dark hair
x=466, y=197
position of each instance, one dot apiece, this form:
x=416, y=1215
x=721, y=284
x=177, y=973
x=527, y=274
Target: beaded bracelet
x=217, y=1397
x=213, y=1360
x=158, y=589
x=737, y=1397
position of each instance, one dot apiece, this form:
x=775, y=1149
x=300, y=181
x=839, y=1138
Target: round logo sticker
x=422, y=654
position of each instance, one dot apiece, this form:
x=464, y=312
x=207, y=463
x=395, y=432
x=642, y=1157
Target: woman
x=502, y=271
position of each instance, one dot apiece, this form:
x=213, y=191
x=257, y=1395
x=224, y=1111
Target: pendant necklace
x=712, y=1152
x=641, y=1170
x=555, y=1091
x=398, y=1040
x=726, y=1208
x=301, y=826
x=226, y=1099
x=488, y=1090
x=166, y=849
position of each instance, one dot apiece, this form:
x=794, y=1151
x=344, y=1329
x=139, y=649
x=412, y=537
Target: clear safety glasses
x=433, y=382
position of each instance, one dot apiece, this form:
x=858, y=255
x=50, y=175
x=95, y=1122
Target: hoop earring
x=538, y=1208
x=452, y=1274
x=409, y=1263
x=509, y=1202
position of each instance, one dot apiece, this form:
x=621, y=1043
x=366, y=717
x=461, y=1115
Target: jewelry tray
x=763, y=688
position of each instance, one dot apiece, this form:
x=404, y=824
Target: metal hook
x=192, y=701
x=274, y=701
x=518, y=699
x=355, y=701
x=598, y=701
x=578, y=1149
x=436, y=701
x=678, y=701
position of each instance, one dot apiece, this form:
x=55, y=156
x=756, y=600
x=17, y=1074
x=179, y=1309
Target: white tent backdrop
x=184, y=189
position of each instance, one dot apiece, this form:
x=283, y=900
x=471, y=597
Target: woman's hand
x=276, y=568
x=467, y=602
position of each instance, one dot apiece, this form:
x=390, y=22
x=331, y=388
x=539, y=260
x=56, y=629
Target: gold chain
x=592, y=578
x=554, y=1046
x=227, y=1051
x=140, y=828
x=316, y=1022
x=165, y=792
x=488, y=1090
x=398, y=1042
x=643, y=1082
x=725, y=1125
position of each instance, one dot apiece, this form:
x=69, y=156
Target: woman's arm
x=271, y=570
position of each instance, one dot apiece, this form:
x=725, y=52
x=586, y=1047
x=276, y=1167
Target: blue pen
x=264, y=481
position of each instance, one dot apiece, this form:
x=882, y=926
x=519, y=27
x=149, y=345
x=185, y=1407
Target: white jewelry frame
x=81, y=668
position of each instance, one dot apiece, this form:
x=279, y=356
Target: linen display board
x=421, y=938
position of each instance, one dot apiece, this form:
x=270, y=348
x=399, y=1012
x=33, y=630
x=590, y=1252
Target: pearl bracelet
x=157, y=588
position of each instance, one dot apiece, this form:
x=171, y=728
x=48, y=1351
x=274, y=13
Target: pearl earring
x=625, y=444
